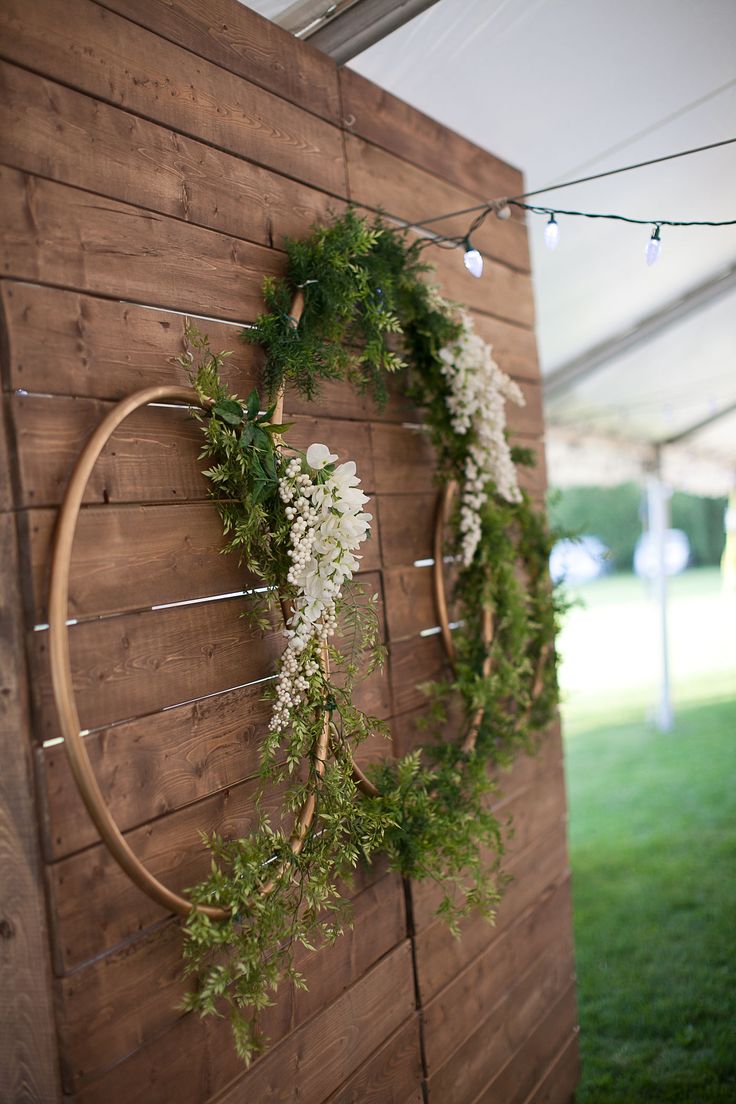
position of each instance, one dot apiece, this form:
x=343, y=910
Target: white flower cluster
x=478, y=391
x=325, y=508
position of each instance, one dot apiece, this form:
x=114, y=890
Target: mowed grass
x=653, y=846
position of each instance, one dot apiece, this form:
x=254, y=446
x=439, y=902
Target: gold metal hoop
x=61, y=672
x=444, y=506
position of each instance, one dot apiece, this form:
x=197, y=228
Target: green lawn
x=653, y=848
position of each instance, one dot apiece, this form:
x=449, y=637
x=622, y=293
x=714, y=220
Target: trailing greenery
x=367, y=312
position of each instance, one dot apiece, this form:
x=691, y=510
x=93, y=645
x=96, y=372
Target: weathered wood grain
x=151, y=766
x=153, y=456
x=451, y=1017
x=194, y=1059
x=95, y=907
x=245, y=43
x=559, y=1083
x=97, y=52
x=518, y=1077
x=392, y=1075
x=132, y=557
x=514, y=346
x=388, y=122
x=53, y=234
x=28, y=1049
x=317, y=1058
x=106, y=349
x=504, y=1034
x=414, y=662
x=128, y=666
x=46, y=129
x=440, y=956
x=404, y=461
x=526, y=812
x=381, y=180
x=125, y=1000
x=502, y=293
x=136, y=664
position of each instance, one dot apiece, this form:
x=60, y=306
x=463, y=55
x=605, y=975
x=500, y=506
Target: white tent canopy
x=570, y=88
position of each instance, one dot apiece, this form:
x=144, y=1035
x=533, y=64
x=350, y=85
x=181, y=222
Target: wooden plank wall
x=154, y=155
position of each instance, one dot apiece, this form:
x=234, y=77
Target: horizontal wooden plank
x=318, y=1057
x=440, y=956
x=526, y=811
x=451, y=1018
x=135, y=664
x=52, y=131
x=410, y=599
x=518, y=1077
x=153, y=456
x=383, y=119
x=132, y=557
x=383, y=180
x=239, y=39
x=503, y=1038
x=195, y=1060
x=404, y=461
x=501, y=292
x=514, y=346
x=560, y=1081
x=97, y=52
x=392, y=1075
x=54, y=234
x=125, y=1000
x=408, y=522
x=105, y=349
x=128, y=666
x=95, y=906
x=158, y=763
x=412, y=663
x=151, y=766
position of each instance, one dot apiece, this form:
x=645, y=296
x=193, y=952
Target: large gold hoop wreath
x=61, y=672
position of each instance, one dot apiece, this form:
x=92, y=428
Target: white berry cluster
x=478, y=390
x=325, y=507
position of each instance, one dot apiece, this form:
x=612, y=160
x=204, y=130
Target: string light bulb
x=654, y=248
x=552, y=233
x=503, y=212
x=472, y=260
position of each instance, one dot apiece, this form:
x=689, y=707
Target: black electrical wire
x=486, y=208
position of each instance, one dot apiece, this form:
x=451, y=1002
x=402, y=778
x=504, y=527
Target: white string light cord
x=502, y=209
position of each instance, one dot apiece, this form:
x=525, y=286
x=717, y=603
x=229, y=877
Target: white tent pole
x=657, y=504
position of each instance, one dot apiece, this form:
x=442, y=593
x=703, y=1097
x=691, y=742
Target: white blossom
x=478, y=390
x=325, y=507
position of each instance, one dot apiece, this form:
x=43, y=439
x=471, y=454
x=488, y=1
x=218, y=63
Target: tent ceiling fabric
x=566, y=88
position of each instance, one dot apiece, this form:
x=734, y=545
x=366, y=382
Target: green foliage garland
x=368, y=312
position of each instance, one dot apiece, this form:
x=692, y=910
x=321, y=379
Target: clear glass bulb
x=654, y=248
x=473, y=262
x=552, y=233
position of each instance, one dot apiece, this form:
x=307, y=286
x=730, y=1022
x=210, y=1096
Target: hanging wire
x=495, y=204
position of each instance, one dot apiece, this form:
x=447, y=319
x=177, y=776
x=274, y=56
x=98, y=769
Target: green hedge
x=615, y=515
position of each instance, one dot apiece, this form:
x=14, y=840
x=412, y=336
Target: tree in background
x=615, y=515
